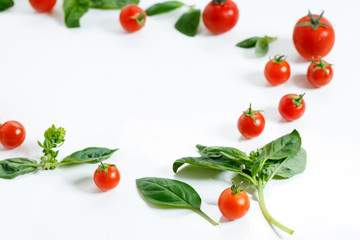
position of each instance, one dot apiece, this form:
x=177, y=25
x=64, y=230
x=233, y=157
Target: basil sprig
x=5, y=4
x=75, y=9
x=171, y=193
x=280, y=159
x=188, y=22
x=54, y=138
x=261, y=44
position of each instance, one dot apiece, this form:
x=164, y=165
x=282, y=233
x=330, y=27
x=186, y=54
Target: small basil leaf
x=261, y=47
x=5, y=4
x=74, y=10
x=111, y=4
x=88, y=155
x=188, y=22
x=248, y=43
x=171, y=193
x=291, y=166
x=163, y=7
x=13, y=167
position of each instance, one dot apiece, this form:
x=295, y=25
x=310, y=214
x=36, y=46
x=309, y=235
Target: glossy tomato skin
x=220, y=17
x=250, y=128
x=277, y=73
x=312, y=43
x=289, y=110
x=109, y=182
x=43, y=6
x=319, y=78
x=12, y=134
x=128, y=16
x=233, y=206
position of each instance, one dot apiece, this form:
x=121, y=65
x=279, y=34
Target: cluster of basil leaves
x=282, y=158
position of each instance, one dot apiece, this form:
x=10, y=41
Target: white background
x=154, y=95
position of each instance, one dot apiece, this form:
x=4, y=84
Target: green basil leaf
x=13, y=167
x=74, y=10
x=5, y=4
x=88, y=155
x=188, y=22
x=111, y=4
x=170, y=193
x=261, y=47
x=291, y=166
x=163, y=7
x=248, y=43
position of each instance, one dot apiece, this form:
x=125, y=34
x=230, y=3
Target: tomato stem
x=314, y=22
x=206, y=217
x=218, y=1
x=298, y=100
x=266, y=213
x=251, y=113
x=320, y=65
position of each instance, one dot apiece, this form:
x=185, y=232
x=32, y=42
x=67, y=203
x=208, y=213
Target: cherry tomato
x=277, y=70
x=220, y=16
x=292, y=106
x=251, y=123
x=106, y=176
x=12, y=134
x=313, y=36
x=132, y=18
x=233, y=203
x=319, y=73
x=42, y=6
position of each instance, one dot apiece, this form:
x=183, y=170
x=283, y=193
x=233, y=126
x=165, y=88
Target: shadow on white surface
x=300, y=81
x=227, y=228
x=257, y=78
x=86, y=184
x=56, y=15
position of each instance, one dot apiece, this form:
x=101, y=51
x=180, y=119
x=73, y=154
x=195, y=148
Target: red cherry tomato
x=12, y=134
x=319, y=73
x=251, y=123
x=220, y=16
x=233, y=203
x=106, y=176
x=132, y=18
x=313, y=36
x=292, y=106
x=277, y=70
x=42, y=6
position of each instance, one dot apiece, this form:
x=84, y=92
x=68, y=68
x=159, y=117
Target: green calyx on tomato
x=140, y=20
x=315, y=22
x=278, y=59
x=320, y=65
x=103, y=167
x=235, y=189
x=298, y=100
x=218, y=1
x=251, y=113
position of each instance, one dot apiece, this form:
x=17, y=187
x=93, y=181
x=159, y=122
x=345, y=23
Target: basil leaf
x=88, y=155
x=248, y=43
x=13, y=167
x=291, y=166
x=111, y=4
x=163, y=7
x=5, y=4
x=170, y=193
x=188, y=22
x=74, y=10
x=261, y=47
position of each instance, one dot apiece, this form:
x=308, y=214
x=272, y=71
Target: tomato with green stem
x=220, y=16
x=251, y=123
x=106, y=176
x=12, y=134
x=132, y=18
x=292, y=106
x=319, y=73
x=233, y=202
x=313, y=36
x=43, y=6
x=277, y=70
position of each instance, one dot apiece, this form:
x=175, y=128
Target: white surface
x=155, y=94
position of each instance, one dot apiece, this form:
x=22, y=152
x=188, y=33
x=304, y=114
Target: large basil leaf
x=261, y=47
x=88, y=155
x=171, y=193
x=188, y=22
x=163, y=7
x=292, y=165
x=13, y=167
x=74, y=10
x=111, y=4
x=5, y=4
